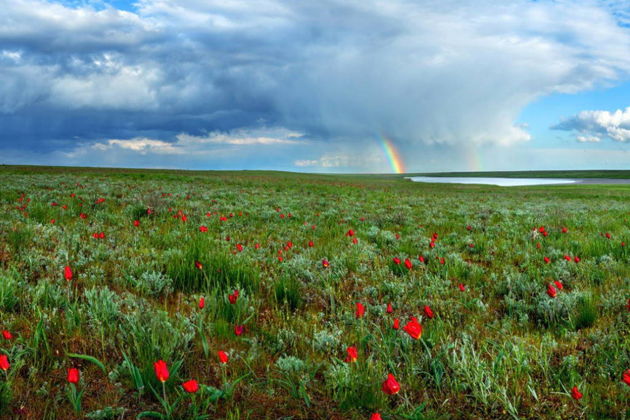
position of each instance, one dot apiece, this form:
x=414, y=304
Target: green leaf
x=153, y=414
x=89, y=359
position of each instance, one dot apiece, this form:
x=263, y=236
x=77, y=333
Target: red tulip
x=468, y=227
x=390, y=308
x=73, y=375
x=360, y=310
x=396, y=324
x=558, y=284
x=7, y=335
x=538, y=245
x=257, y=246
x=161, y=370
x=396, y=260
x=608, y=235
x=202, y=302
x=238, y=329
x=223, y=357
x=136, y=223
x=431, y=244
x=67, y=273
x=198, y=265
x=413, y=328
x=233, y=297
x=239, y=247
x=352, y=354
x=325, y=263
x=83, y=216
x=577, y=259
x=442, y=261
x=551, y=291
x=203, y=228
x=408, y=263
x=311, y=244
x=626, y=377
x=547, y=260
x=390, y=386
x=355, y=241
x=428, y=312
x=280, y=259
x=421, y=258
x=461, y=287
x=376, y=416
x=577, y=395
x=191, y=386
x=564, y=230
x=350, y=233
x=52, y=221
x=4, y=362
x=566, y=257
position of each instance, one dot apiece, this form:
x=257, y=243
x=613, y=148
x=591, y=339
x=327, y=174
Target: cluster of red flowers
x=413, y=328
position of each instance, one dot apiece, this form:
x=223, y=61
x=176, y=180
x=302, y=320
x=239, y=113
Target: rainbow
x=473, y=158
x=392, y=155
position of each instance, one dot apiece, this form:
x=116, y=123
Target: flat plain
x=278, y=294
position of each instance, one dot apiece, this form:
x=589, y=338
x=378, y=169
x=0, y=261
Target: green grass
x=502, y=348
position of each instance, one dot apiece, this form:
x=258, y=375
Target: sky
x=316, y=85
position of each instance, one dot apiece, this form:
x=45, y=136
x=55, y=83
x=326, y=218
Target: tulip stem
x=164, y=392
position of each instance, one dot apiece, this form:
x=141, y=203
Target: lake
x=515, y=182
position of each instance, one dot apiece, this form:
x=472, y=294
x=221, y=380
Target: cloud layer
x=340, y=73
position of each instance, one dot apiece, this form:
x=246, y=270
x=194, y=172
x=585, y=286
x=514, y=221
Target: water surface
x=515, y=182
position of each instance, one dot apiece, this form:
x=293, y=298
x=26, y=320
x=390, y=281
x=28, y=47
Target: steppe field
x=266, y=295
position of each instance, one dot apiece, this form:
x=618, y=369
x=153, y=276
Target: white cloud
x=142, y=146
x=593, y=125
x=186, y=144
x=244, y=138
x=145, y=145
x=306, y=163
x=588, y=139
